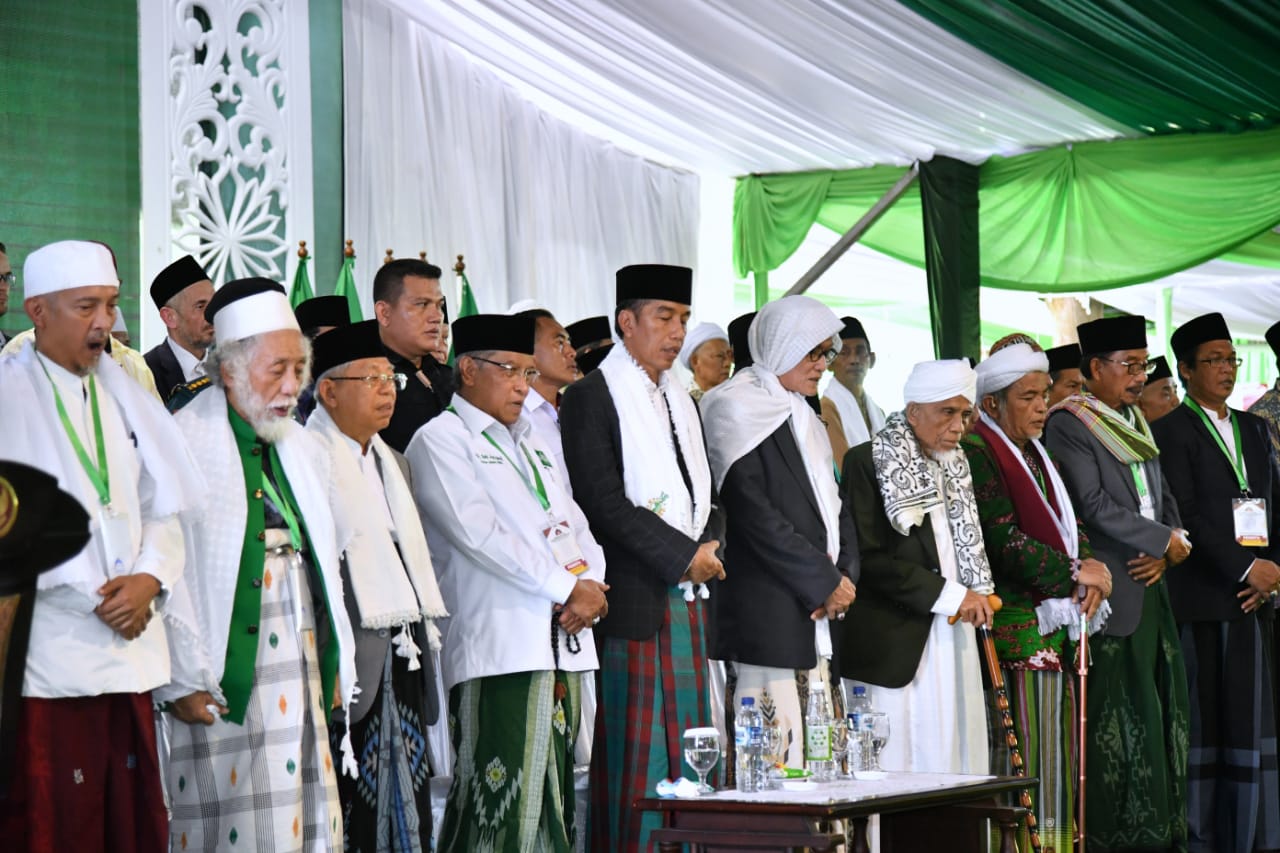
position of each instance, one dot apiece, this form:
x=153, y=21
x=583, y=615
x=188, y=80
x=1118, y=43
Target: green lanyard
x=1237, y=464
x=1139, y=480
x=295, y=532
x=540, y=490
x=99, y=476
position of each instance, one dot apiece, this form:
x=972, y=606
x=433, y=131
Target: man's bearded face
x=939, y=426
x=265, y=388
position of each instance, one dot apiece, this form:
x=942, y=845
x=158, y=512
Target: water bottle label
x=817, y=743
x=741, y=736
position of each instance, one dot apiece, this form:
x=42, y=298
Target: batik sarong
x=512, y=785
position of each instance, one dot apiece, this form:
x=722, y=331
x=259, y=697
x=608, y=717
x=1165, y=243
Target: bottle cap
x=817, y=685
x=859, y=690
x=748, y=702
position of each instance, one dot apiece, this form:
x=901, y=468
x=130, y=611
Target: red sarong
x=86, y=777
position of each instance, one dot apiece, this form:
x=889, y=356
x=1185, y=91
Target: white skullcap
x=247, y=307
x=526, y=305
x=935, y=381
x=787, y=329
x=66, y=265
x=1002, y=369
x=698, y=336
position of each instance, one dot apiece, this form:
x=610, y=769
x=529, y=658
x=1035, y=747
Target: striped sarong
x=1232, y=786
x=649, y=692
x=1044, y=715
x=512, y=785
x=269, y=784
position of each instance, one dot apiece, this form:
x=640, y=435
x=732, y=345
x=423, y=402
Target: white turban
x=935, y=381
x=523, y=305
x=787, y=329
x=1002, y=369
x=68, y=264
x=255, y=314
x=698, y=336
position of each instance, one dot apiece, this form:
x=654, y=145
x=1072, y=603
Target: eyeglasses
x=9, y=278
x=821, y=352
x=376, y=379
x=1134, y=367
x=1234, y=361
x=511, y=372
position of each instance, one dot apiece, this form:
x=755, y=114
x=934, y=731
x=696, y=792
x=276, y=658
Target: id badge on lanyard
x=564, y=546
x=1250, y=517
x=117, y=542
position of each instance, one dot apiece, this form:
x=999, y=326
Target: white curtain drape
x=441, y=155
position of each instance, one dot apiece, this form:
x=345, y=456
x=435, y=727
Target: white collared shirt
x=544, y=419
x=71, y=651
x=498, y=576
x=192, y=367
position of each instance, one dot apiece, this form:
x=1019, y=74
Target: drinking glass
x=702, y=751
x=877, y=722
x=840, y=748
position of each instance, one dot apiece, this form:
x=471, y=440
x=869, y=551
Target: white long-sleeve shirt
x=498, y=576
x=71, y=651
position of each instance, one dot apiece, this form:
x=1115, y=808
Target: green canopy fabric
x=1158, y=67
x=1075, y=218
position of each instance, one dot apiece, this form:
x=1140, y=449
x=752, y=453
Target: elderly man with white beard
x=261, y=641
x=923, y=560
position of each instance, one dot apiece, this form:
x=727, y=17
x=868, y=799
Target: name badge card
x=117, y=543
x=1250, y=516
x=564, y=547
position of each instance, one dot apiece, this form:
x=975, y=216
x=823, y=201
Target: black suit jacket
x=165, y=368
x=777, y=570
x=889, y=622
x=417, y=403
x=644, y=556
x=1204, y=587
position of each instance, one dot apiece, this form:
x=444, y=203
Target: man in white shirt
x=390, y=593
x=852, y=417
x=181, y=292
x=557, y=367
x=522, y=578
x=86, y=765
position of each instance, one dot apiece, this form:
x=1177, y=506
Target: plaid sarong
x=269, y=784
x=512, y=785
x=649, y=692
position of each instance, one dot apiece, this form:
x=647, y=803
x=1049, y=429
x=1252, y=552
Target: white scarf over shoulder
x=855, y=428
x=650, y=472
x=32, y=437
x=386, y=596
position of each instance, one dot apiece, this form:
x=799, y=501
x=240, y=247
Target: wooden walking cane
x=1006, y=717
x=1082, y=671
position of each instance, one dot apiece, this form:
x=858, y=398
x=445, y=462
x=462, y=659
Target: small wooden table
x=918, y=810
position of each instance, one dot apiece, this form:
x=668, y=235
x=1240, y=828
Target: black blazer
x=417, y=403
x=777, y=570
x=888, y=625
x=644, y=555
x=1204, y=587
x=165, y=368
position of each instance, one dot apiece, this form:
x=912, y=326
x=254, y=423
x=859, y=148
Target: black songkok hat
x=236, y=290
x=655, y=281
x=322, y=311
x=589, y=331
x=589, y=361
x=175, y=278
x=738, y=329
x=1065, y=357
x=41, y=526
x=853, y=329
x=1273, y=338
x=1162, y=370
x=1111, y=334
x=506, y=332
x=1188, y=336
x=351, y=342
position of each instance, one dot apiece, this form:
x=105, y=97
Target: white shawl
x=651, y=474
x=855, y=428
x=200, y=609
x=385, y=596
x=31, y=437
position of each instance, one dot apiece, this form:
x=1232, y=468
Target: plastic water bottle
x=817, y=735
x=748, y=729
x=859, y=704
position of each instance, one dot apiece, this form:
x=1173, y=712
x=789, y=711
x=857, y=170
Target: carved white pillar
x=226, y=138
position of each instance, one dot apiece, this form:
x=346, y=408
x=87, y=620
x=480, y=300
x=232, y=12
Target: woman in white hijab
x=791, y=548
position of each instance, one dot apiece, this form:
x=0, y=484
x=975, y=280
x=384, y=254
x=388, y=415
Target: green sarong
x=1139, y=735
x=513, y=778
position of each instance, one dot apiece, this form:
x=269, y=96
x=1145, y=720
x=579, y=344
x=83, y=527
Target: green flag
x=466, y=306
x=301, y=290
x=346, y=286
